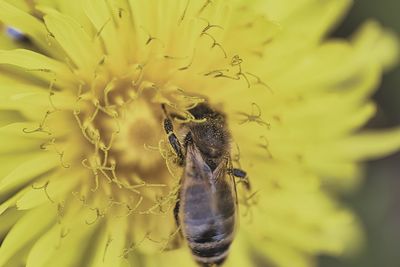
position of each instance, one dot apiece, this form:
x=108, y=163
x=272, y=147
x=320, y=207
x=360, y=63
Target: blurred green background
x=377, y=201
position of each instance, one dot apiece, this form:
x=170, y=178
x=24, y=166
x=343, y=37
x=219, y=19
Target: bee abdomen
x=210, y=240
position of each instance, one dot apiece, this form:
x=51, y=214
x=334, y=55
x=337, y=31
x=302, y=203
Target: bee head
x=202, y=111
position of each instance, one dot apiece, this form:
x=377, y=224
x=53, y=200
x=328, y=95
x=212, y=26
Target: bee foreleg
x=173, y=140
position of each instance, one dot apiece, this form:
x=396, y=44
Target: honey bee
x=206, y=210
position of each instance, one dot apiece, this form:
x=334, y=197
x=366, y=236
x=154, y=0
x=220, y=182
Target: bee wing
x=218, y=180
x=221, y=174
x=226, y=187
x=196, y=167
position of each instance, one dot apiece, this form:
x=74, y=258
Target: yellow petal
x=33, y=27
x=51, y=243
x=8, y=220
x=19, y=146
x=20, y=4
x=100, y=249
x=19, y=237
x=180, y=257
x=381, y=45
x=101, y=17
x=111, y=245
x=368, y=145
x=37, y=64
x=314, y=19
x=281, y=9
x=29, y=170
x=33, y=98
x=300, y=224
x=7, y=203
x=74, y=9
x=283, y=256
x=280, y=174
x=10, y=202
x=23, y=129
x=241, y=252
x=12, y=161
x=333, y=66
x=76, y=241
x=53, y=188
x=309, y=24
x=75, y=41
x=41, y=250
x=8, y=117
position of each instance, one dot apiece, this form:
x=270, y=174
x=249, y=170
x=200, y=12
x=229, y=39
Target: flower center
x=124, y=147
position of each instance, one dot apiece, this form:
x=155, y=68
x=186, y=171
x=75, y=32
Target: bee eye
x=16, y=35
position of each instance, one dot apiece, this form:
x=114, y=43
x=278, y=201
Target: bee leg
x=242, y=175
x=238, y=173
x=173, y=140
x=176, y=213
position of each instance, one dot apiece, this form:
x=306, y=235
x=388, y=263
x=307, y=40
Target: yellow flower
x=87, y=175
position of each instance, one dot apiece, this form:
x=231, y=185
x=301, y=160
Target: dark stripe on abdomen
x=208, y=250
x=210, y=230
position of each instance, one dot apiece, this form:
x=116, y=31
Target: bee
x=206, y=210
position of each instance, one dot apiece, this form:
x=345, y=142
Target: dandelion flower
x=87, y=175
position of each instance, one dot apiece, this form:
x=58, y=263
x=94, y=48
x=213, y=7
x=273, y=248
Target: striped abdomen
x=207, y=216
